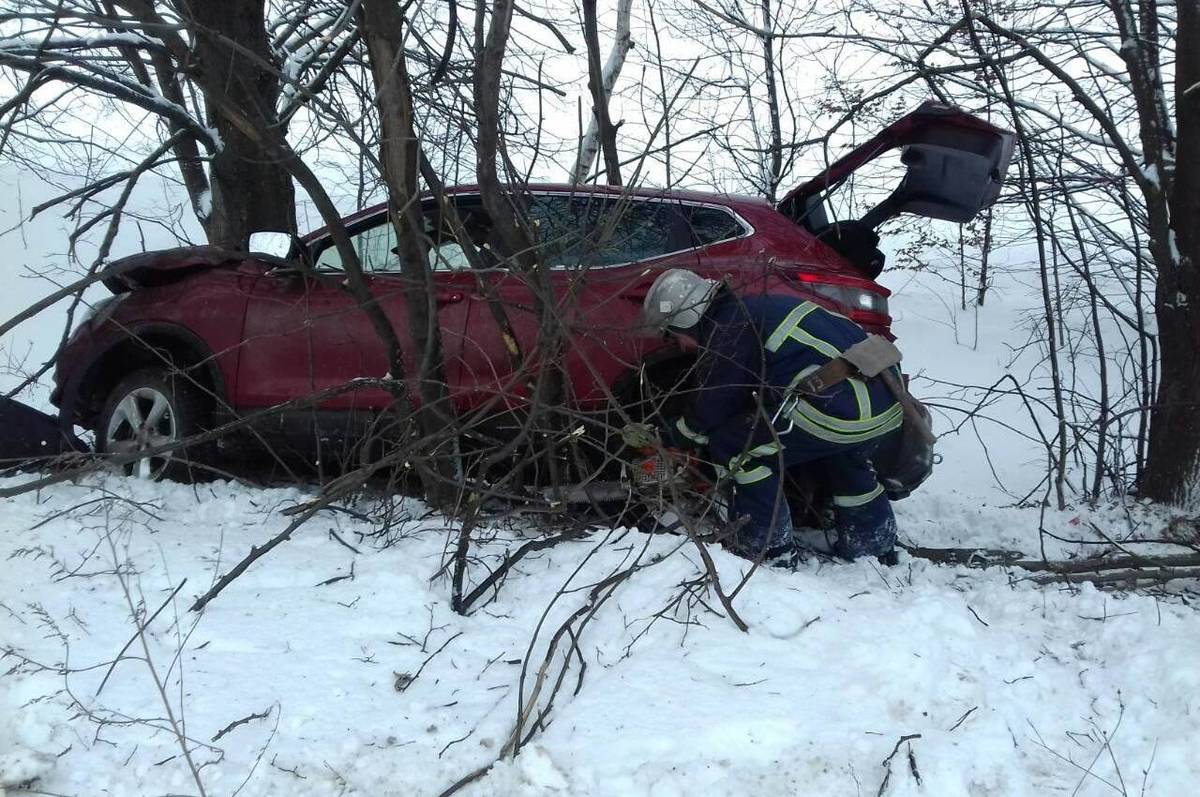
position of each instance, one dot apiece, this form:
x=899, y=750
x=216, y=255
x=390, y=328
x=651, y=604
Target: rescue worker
x=756, y=350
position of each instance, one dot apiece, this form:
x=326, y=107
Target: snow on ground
x=370, y=685
x=1013, y=688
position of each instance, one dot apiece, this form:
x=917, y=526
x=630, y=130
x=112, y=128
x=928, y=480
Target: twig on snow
x=135, y=636
x=962, y=719
x=334, y=535
x=250, y=718
x=887, y=762
x=336, y=579
x=405, y=680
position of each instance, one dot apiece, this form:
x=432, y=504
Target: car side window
x=593, y=231
x=446, y=251
x=604, y=231
x=376, y=248
x=575, y=231
x=448, y=256
x=711, y=225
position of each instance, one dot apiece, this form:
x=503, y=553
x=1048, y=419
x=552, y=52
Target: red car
x=198, y=336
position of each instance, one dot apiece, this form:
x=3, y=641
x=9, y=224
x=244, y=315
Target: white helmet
x=678, y=298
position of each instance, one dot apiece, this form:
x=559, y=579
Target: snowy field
x=370, y=685
x=1013, y=688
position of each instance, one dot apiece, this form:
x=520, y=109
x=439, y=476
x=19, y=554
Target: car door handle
x=635, y=294
x=448, y=297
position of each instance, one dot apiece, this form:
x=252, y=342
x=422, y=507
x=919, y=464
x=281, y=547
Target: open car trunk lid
x=955, y=164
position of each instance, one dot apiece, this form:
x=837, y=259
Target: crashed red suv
x=197, y=336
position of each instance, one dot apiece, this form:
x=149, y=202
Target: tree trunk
x=513, y=232
x=400, y=154
x=1173, y=463
x=490, y=44
x=775, y=164
x=231, y=55
x=601, y=133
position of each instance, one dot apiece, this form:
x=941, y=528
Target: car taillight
x=865, y=301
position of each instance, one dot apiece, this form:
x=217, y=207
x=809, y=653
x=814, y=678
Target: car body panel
x=150, y=269
x=203, y=309
x=305, y=334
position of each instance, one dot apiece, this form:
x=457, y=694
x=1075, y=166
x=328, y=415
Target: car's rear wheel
x=148, y=410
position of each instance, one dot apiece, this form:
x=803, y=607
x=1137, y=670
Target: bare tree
x=601, y=133
x=1170, y=184
x=169, y=60
x=1098, y=187
x=400, y=156
x=759, y=46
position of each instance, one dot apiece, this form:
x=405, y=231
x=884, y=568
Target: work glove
x=640, y=435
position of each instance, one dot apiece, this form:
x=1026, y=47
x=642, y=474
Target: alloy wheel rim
x=141, y=421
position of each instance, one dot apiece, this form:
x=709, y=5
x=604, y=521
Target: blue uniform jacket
x=763, y=344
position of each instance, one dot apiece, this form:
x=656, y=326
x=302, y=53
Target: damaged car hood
x=163, y=266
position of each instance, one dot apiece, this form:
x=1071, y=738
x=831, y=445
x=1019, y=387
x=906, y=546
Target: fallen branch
x=972, y=557
x=261, y=716
x=1134, y=562
x=1129, y=568
x=1132, y=578
x=512, y=558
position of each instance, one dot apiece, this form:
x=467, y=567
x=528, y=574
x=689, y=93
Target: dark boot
x=784, y=557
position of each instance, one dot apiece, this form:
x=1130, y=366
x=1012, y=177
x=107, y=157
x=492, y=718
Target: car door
x=484, y=374
x=602, y=252
x=293, y=345
x=489, y=374
x=305, y=334
x=607, y=258
x=636, y=238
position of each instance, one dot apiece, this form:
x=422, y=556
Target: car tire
x=150, y=408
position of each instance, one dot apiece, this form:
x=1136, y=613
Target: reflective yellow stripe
x=834, y=424
x=788, y=324
x=765, y=450
x=822, y=433
x=801, y=335
x=753, y=475
x=756, y=474
x=862, y=396
x=858, y=500
x=687, y=432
